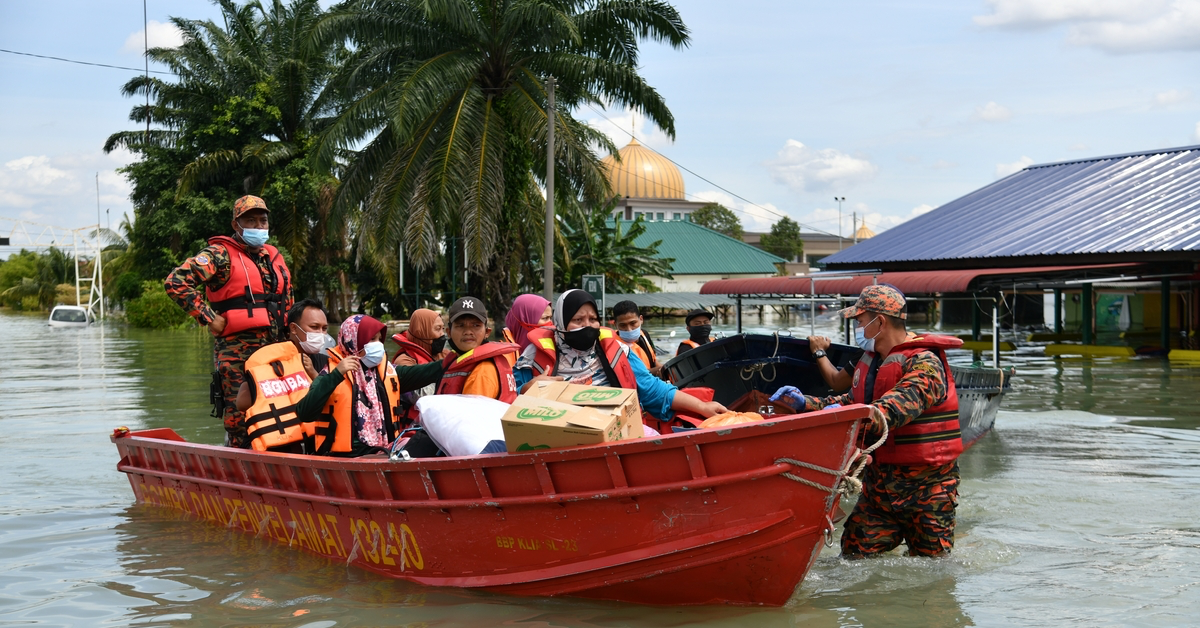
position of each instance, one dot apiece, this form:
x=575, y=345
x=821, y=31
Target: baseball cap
x=468, y=306
x=247, y=203
x=881, y=299
x=694, y=313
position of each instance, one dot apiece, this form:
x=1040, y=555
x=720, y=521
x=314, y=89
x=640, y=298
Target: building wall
x=659, y=210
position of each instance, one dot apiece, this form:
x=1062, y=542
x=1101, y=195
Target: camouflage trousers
x=229, y=361
x=902, y=504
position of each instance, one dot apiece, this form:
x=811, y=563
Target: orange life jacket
x=277, y=377
x=933, y=438
x=459, y=368
x=242, y=299
x=546, y=358
x=690, y=344
x=334, y=431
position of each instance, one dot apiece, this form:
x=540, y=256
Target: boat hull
x=699, y=518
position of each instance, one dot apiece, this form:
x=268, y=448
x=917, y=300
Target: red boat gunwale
x=692, y=518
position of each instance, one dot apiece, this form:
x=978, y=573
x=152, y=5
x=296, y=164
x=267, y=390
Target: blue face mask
x=860, y=336
x=631, y=335
x=255, y=237
x=373, y=354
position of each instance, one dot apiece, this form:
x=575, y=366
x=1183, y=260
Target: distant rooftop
x=1134, y=207
x=701, y=251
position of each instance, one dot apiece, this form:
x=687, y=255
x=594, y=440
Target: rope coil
x=846, y=480
x=749, y=372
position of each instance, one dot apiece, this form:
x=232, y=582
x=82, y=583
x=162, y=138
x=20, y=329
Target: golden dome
x=643, y=173
x=863, y=232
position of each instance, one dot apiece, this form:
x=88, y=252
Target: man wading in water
x=910, y=490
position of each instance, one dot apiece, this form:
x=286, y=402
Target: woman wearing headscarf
x=528, y=312
x=579, y=350
x=363, y=414
x=423, y=342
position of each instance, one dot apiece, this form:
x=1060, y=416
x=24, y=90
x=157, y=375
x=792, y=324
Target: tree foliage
x=447, y=101
x=592, y=243
x=719, y=218
x=30, y=280
x=155, y=310
x=784, y=239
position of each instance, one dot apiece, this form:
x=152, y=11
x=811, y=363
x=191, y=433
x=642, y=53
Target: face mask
x=630, y=336
x=313, y=341
x=373, y=354
x=700, y=332
x=860, y=336
x=582, y=339
x=438, y=345
x=254, y=237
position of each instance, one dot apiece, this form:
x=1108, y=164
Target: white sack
x=462, y=425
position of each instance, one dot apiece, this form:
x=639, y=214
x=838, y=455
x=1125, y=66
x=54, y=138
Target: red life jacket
x=933, y=438
x=242, y=299
x=411, y=349
x=546, y=358
x=459, y=368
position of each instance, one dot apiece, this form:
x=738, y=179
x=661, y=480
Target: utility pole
x=854, y=226
x=548, y=258
x=146, y=56
x=840, y=200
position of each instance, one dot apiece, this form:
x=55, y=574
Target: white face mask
x=860, y=336
x=313, y=341
x=373, y=354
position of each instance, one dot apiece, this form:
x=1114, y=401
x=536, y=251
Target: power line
x=99, y=65
x=694, y=174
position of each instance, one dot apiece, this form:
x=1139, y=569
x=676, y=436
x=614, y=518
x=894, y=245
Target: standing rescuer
x=910, y=491
x=247, y=290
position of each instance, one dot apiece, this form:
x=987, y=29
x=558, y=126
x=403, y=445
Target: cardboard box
x=557, y=414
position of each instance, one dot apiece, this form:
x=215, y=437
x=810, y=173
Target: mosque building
x=648, y=185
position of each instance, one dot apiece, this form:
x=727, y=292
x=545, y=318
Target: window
x=677, y=216
x=661, y=216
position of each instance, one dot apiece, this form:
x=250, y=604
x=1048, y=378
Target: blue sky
x=897, y=106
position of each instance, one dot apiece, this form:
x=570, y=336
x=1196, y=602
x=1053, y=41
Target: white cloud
x=1003, y=170
x=942, y=164
x=1171, y=97
x=1119, y=26
x=807, y=169
x=161, y=35
x=992, y=112
x=61, y=190
x=754, y=218
x=617, y=127
x=920, y=209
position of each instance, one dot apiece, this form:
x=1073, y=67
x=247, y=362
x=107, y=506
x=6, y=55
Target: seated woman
x=480, y=367
x=579, y=350
x=423, y=342
x=528, y=312
x=362, y=415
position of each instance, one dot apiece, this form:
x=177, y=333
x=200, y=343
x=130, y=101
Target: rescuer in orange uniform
x=910, y=491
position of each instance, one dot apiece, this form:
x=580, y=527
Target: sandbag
x=462, y=425
x=731, y=418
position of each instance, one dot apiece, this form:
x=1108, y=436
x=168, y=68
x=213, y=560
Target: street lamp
x=840, y=200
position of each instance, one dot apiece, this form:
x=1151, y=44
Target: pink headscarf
x=524, y=315
x=353, y=335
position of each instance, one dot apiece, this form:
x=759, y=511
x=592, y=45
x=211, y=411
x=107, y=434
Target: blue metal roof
x=1139, y=203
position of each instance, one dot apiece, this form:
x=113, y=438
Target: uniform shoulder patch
x=203, y=259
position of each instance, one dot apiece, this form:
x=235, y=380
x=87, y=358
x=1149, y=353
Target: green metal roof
x=701, y=251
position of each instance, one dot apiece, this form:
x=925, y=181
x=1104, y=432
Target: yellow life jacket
x=278, y=380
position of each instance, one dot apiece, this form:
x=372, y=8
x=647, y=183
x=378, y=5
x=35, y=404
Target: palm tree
x=444, y=131
x=592, y=243
x=243, y=111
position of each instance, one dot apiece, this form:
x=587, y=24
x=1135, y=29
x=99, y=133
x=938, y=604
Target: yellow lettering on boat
x=410, y=552
x=377, y=533
x=298, y=529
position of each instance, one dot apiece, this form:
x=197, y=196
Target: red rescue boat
x=712, y=516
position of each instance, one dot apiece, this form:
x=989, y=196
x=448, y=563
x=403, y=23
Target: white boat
x=69, y=316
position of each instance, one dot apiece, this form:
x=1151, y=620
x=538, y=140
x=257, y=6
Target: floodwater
x=1081, y=507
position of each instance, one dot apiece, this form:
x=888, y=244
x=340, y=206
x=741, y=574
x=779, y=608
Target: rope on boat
x=846, y=480
x=757, y=369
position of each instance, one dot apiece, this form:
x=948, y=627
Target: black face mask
x=438, y=345
x=700, y=333
x=582, y=339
